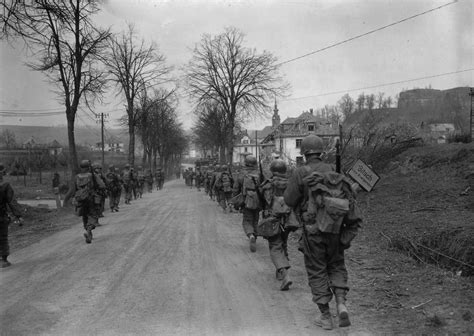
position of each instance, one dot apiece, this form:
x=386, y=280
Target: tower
x=275, y=117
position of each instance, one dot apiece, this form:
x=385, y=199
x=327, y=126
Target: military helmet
x=224, y=167
x=96, y=165
x=127, y=166
x=84, y=164
x=278, y=166
x=111, y=167
x=312, y=144
x=250, y=161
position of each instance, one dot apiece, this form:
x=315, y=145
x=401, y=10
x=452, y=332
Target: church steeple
x=275, y=117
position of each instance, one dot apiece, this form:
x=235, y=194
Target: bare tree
x=8, y=139
x=346, y=105
x=370, y=101
x=380, y=99
x=387, y=102
x=67, y=47
x=238, y=78
x=135, y=67
x=360, y=102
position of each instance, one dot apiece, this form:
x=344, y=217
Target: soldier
x=119, y=190
x=114, y=187
x=134, y=182
x=97, y=168
x=326, y=234
x=149, y=180
x=223, y=186
x=140, y=181
x=209, y=174
x=247, y=184
x=7, y=202
x=199, y=178
x=159, y=178
x=276, y=213
x=127, y=183
x=87, y=198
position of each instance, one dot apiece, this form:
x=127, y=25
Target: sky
x=432, y=44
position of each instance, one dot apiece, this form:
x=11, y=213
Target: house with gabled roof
x=286, y=138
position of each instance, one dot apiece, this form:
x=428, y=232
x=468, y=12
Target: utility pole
x=101, y=116
x=471, y=126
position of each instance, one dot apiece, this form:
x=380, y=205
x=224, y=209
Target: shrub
x=459, y=137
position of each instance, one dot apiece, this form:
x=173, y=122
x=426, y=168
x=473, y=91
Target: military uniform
x=149, y=180
x=159, y=178
x=250, y=214
x=7, y=202
x=140, y=182
x=88, y=198
x=323, y=252
x=114, y=186
x=224, y=186
x=127, y=183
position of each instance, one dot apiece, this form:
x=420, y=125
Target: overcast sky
x=441, y=41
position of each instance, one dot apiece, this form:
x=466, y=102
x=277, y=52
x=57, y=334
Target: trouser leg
x=4, y=245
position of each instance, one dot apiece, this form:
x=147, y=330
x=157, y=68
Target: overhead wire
x=367, y=33
x=379, y=85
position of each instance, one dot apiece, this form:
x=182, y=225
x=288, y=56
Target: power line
x=367, y=33
x=33, y=110
x=379, y=85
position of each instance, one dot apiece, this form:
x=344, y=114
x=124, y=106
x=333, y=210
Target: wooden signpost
x=364, y=175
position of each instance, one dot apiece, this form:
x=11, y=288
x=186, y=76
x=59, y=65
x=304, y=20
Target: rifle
x=338, y=156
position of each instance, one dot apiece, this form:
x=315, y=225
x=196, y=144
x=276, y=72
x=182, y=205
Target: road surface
x=171, y=263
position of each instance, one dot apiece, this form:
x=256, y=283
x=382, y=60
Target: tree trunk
x=73, y=165
x=131, y=143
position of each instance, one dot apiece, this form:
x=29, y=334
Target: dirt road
x=171, y=263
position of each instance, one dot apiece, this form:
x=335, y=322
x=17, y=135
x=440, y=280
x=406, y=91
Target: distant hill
x=84, y=136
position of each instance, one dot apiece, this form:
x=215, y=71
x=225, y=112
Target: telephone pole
x=471, y=126
x=101, y=116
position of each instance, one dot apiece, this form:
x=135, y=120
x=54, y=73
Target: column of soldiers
x=92, y=188
x=314, y=201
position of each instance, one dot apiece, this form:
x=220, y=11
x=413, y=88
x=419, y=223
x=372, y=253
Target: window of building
x=298, y=143
x=245, y=141
x=281, y=144
x=245, y=149
x=310, y=128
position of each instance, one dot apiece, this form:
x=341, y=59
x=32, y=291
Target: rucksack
x=249, y=190
x=226, y=182
x=84, y=187
x=329, y=200
x=273, y=195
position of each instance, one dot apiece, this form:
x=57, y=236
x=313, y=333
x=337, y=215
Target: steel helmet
x=312, y=144
x=127, y=166
x=278, y=166
x=111, y=167
x=250, y=161
x=96, y=165
x=84, y=164
x=224, y=167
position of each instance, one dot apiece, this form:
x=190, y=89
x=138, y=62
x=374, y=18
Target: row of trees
x=80, y=58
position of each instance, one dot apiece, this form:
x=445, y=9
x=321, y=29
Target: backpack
x=329, y=200
x=226, y=182
x=83, y=188
x=273, y=195
x=249, y=190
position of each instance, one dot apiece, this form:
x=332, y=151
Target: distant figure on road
x=247, y=184
x=149, y=180
x=159, y=178
x=114, y=187
x=7, y=204
x=127, y=183
x=325, y=204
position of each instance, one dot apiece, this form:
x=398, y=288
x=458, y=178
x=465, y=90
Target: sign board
x=363, y=175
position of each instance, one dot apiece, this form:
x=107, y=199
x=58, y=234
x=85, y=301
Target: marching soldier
x=149, y=180
x=87, y=198
x=276, y=215
x=247, y=185
x=114, y=187
x=127, y=183
x=140, y=181
x=159, y=178
x=223, y=186
x=329, y=225
x=119, y=190
x=7, y=203
x=97, y=168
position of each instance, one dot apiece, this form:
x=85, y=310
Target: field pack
x=273, y=195
x=249, y=190
x=84, y=187
x=329, y=199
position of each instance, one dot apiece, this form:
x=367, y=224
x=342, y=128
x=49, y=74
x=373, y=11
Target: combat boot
x=5, y=262
x=285, y=282
x=252, y=243
x=88, y=236
x=325, y=321
x=342, y=309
